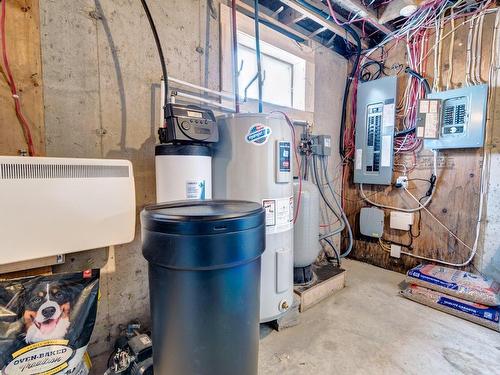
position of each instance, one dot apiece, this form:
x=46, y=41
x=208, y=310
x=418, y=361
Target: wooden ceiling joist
x=268, y=18
x=398, y=8
x=323, y=22
x=357, y=7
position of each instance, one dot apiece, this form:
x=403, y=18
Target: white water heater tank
x=306, y=246
x=183, y=172
x=253, y=161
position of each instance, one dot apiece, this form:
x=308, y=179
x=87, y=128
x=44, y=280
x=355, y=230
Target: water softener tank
x=253, y=161
x=306, y=246
x=204, y=278
x=183, y=171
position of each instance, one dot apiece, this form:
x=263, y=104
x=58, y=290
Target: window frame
x=302, y=56
x=273, y=54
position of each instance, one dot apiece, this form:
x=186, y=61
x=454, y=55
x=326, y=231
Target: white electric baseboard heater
x=52, y=206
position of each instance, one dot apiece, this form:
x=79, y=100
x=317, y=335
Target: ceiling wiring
x=450, y=53
x=474, y=18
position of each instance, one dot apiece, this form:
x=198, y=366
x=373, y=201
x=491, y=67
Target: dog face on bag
x=47, y=312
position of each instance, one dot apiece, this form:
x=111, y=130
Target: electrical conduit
x=235, y=57
x=258, y=54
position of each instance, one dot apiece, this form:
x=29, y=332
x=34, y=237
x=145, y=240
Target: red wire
x=332, y=13
x=12, y=84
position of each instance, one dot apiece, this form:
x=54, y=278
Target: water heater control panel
x=189, y=124
x=283, y=161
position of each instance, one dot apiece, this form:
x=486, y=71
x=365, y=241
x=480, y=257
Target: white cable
x=438, y=221
x=479, y=47
x=325, y=210
x=474, y=52
x=494, y=56
x=402, y=144
x=468, y=64
x=485, y=11
x=473, y=75
x=423, y=43
x=492, y=83
x=473, y=249
x=437, y=55
x=342, y=212
x=450, y=53
x=475, y=55
x=483, y=183
x=415, y=209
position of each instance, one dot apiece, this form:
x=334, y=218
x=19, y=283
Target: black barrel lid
x=183, y=149
x=194, y=217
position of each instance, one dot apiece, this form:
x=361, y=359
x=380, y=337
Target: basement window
x=283, y=74
x=288, y=66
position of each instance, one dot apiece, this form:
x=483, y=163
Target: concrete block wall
x=101, y=95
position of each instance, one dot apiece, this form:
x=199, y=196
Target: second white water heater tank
x=253, y=161
x=306, y=246
x=183, y=172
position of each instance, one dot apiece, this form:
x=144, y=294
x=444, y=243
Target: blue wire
x=258, y=54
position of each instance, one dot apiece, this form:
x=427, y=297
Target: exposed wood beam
x=278, y=11
x=290, y=16
x=319, y=31
x=355, y=6
x=332, y=39
x=318, y=4
x=263, y=16
x=394, y=9
x=333, y=27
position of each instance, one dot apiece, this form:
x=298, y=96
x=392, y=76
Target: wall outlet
x=401, y=220
x=402, y=182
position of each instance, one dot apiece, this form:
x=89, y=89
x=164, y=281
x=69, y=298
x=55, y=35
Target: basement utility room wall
x=457, y=194
x=101, y=93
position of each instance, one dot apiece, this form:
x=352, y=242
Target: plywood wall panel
x=456, y=200
x=23, y=46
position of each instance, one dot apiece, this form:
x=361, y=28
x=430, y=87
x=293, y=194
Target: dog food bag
x=465, y=285
x=46, y=323
x=487, y=316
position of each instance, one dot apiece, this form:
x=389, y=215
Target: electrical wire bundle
x=415, y=32
x=427, y=23
x=323, y=181
x=341, y=215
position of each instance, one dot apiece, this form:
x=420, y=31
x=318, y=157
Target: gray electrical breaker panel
x=463, y=118
x=375, y=120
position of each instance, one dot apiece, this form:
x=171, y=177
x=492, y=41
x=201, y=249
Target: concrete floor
x=368, y=329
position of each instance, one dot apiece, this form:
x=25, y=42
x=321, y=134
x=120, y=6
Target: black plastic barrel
x=204, y=282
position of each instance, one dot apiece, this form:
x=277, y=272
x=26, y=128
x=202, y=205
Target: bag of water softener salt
x=46, y=323
x=465, y=285
x=487, y=316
